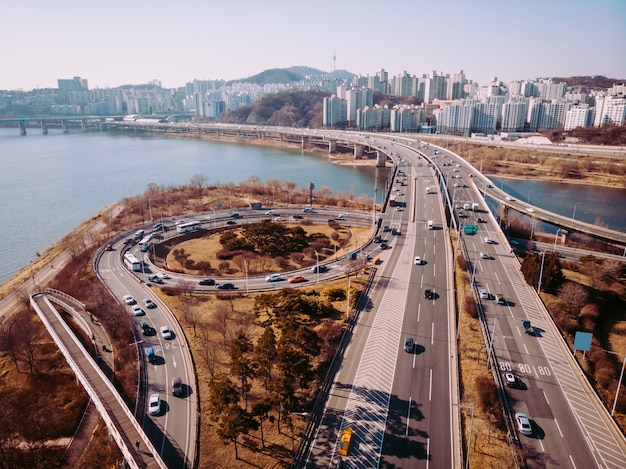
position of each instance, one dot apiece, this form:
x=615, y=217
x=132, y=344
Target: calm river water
x=50, y=183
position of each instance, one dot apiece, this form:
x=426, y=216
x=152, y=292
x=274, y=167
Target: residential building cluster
x=435, y=102
x=453, y=105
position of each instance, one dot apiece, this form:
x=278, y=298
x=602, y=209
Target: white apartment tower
x=335, y=111
x=579, y=115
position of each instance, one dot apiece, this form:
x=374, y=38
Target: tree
x=261, y=409
x=572, y=297
x=551, y=276
x=241, y=363
x=233, y=422
x=265, y=355
x=222, y=393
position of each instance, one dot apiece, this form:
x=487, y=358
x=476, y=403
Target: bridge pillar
x=65, y=127
x=83, y=125
x=22, y=127
x=358, y=151
x=381, y=159
x=304, y=141
x=332, y=146
x=44, y=128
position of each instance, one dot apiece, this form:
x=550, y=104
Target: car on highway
x=226, y=286
x=137, y=311
x=279, y=219
x=158, y=226
x=206, y=281
x=177, y=386
x=273, y=278
x=270, y=212
x=509, y=198
x=408, y=344
x=296, y=279
x=429, y=294
x=231, y=222
x=155, y=279
x=319, y=268
x=484, y=255
x=166, y=333
x=155, y=404
x=108, y=247
x=530, y=209
x=341, y=216
x=488, y=240
x=129, y=300
x=180, y=222
x=484, y=294
x=523, y=424
x=163, y=275
x=511, y=380
x=149, y=303
x=417, y=260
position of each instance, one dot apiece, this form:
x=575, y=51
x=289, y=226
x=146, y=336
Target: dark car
x=177, y=386
x=207, y=281
x=226, y=286
x=408, y=344
x=428, y=294
x=319, y=268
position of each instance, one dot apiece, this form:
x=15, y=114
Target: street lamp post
x=317, y=267
x=528, y=198
x=574, y=214
x=556, y=235
x=213, y=217
x=543, y=258
x=469, y=440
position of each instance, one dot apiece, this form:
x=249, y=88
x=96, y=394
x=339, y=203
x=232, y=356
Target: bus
x=132, y=262
x=145, y=243
x=188, y=227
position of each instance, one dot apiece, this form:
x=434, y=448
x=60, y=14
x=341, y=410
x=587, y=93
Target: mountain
x=590, y=82
x=291, y=75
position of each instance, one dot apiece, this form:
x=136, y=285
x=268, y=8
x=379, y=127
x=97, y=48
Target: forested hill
x=290, y=108
x=590, y=82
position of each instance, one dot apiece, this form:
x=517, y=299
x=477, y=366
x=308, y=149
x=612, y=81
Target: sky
x=116, y=42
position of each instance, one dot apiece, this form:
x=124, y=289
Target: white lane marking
x=558, y=427
x=430, y=386
x=432, y=334
x=408, y=418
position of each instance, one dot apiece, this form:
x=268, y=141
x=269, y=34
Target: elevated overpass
x=120, y=422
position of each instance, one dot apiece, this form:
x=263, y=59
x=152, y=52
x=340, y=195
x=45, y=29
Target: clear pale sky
x=113, y=43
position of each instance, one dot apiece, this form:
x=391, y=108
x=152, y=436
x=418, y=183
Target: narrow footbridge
x=121, y=423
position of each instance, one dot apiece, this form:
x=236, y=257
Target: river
x=50, y=183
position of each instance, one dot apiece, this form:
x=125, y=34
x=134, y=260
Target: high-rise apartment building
x=579, y=115
x=335, y=112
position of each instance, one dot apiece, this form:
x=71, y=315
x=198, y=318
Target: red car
x=296, y=279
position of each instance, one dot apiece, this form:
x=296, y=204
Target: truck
x=528, y=329
x=475, y=207
x=344, y=442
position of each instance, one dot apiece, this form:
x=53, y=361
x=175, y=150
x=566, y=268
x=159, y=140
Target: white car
x=273, y=278
x=137, y=311
x=523, y=424
x=484, y=294
x=484, y=255
x=129, y=300
x=269, y=212
x=530, y=209
x=509, y=198
x=488, y=240
x=149, y=303
x=155, y=404
x=163, y=275
x=166, y=333
x=417, y=260
x=279, y=219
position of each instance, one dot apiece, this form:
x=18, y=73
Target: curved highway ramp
x=122, y=425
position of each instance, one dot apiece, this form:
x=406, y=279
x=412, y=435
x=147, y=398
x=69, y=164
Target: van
x=139, y=234
x=430, y=224
x=352, y=256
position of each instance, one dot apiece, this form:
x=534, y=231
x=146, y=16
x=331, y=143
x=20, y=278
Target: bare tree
x=220, y=321
x=572, y=297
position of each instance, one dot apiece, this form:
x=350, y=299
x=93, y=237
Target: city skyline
x=134, y=43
